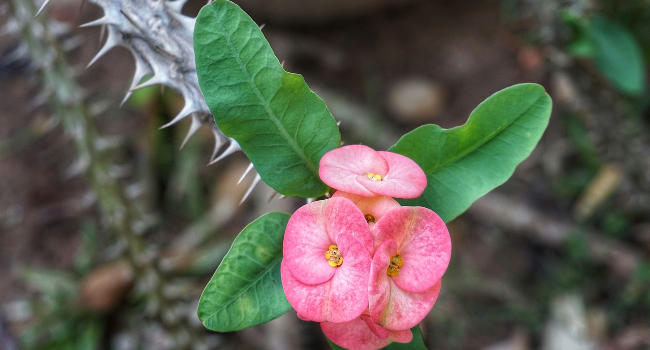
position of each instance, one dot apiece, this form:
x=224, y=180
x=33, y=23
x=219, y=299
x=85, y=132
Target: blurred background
x=109, y=232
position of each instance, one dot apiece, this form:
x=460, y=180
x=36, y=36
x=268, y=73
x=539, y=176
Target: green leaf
x=246, y=289
x=416, y=344
x=281, y=125
x=581, y=44
x=617, y=55
x=464, y=163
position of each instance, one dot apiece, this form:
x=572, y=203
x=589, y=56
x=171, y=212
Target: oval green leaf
x=416, y=344
x=283, y=127
x=246, y=289
x=617, y=55
x=464, y=163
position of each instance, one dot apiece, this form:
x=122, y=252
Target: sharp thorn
x=194, y=127
x=232, y=148
x=98, y=21
x=186, y=111
x=126, y=97
x=218, y=142
x=262, y=26
x=142, y=69
x=248, y=170
x=272, y=197
x=256, y=180
x=43, y=6
x=109, y=44
x=150, y=82
x=102, y=32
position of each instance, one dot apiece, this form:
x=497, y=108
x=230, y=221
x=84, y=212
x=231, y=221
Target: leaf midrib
x=267, y=107
x=489, y=139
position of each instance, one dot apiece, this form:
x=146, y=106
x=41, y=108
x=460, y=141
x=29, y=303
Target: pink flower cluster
x=363, y=266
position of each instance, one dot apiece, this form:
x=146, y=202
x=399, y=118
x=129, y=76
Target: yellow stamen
x=334, y=256
x=395, y=263
x=374, y=177
x=370, y=218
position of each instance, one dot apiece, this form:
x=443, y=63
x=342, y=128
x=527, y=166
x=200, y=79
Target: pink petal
x=342, y=216
x=306, y=240
x=375, y=206
x=354, y=334
x=340, y=168
x=378, y=330
x=390, y=306
x=403, y=336
x=405, y=178
x=358, y=334
x=340, y=299
x=423, y=243
x=313, y=228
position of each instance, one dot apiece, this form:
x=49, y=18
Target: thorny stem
x=118, y=211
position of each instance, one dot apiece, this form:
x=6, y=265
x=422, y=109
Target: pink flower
x=363, y=334
x=326, y=263
x=360, y=170
x=373, y=208
x=414, y=249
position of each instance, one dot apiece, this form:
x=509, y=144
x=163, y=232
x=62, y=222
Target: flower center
x=334, y=256
x=395, y=263
x=374, y=177
x=370, y=218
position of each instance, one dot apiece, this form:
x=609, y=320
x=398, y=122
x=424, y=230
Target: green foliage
x=57, y=323
x=51, y=283
x=614, y=50
x=416, y=344
x=283, y=127
x=617, y=55
x=75, y=332
x=246, y=289
x=582, y=143
x=464, y=163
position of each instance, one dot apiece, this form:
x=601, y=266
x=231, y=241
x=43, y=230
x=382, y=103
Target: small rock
x=567, y=329
x=563, y=89
x=517, y=341
x=105, y=286
x=416, y=100
x=598, y=190
x=530, y=58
